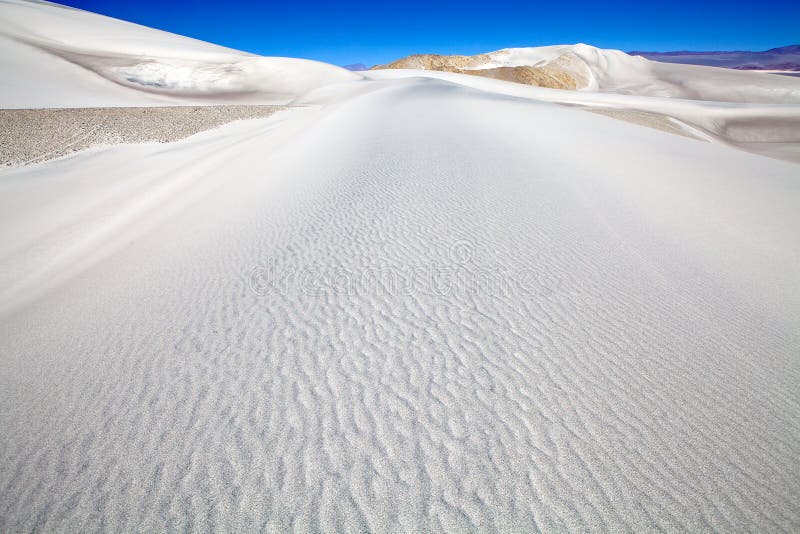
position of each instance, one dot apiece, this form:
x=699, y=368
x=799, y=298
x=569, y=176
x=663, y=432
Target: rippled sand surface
x=420, y=308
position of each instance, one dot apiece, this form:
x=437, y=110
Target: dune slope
x=201, y=342
x=766, y=128
x=99, y=61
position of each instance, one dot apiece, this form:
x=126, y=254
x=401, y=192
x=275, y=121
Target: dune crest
x=99, y=61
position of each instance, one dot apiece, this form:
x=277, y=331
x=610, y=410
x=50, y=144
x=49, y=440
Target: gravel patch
x=644, y=118
x=33, y=135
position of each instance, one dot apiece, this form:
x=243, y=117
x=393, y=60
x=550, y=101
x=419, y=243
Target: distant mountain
x=791, y=49
x=356, y=66
x=782, y=58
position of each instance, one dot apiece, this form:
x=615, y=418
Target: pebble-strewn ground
x=34, y=135
x=643, y=118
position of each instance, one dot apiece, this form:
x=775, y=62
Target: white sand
x=602, y=333
x=639, y=372
x=614, y=71
x=771, y=129
x=102, y=62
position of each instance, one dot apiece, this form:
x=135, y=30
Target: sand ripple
x=645, y=380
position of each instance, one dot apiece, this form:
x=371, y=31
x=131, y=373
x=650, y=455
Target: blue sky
x=370, y=32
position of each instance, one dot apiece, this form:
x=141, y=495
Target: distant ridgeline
x=783, y=58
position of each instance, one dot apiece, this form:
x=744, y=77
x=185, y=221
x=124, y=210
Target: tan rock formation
x=558, y=74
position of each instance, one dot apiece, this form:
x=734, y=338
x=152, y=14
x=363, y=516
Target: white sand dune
x=763, y=128
x=410, y=305
x=614, y=71
x=99, y=61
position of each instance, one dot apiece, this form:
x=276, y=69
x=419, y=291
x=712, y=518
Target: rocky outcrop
x=557, y=74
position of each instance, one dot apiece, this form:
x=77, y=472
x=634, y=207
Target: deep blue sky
x=354, y=31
